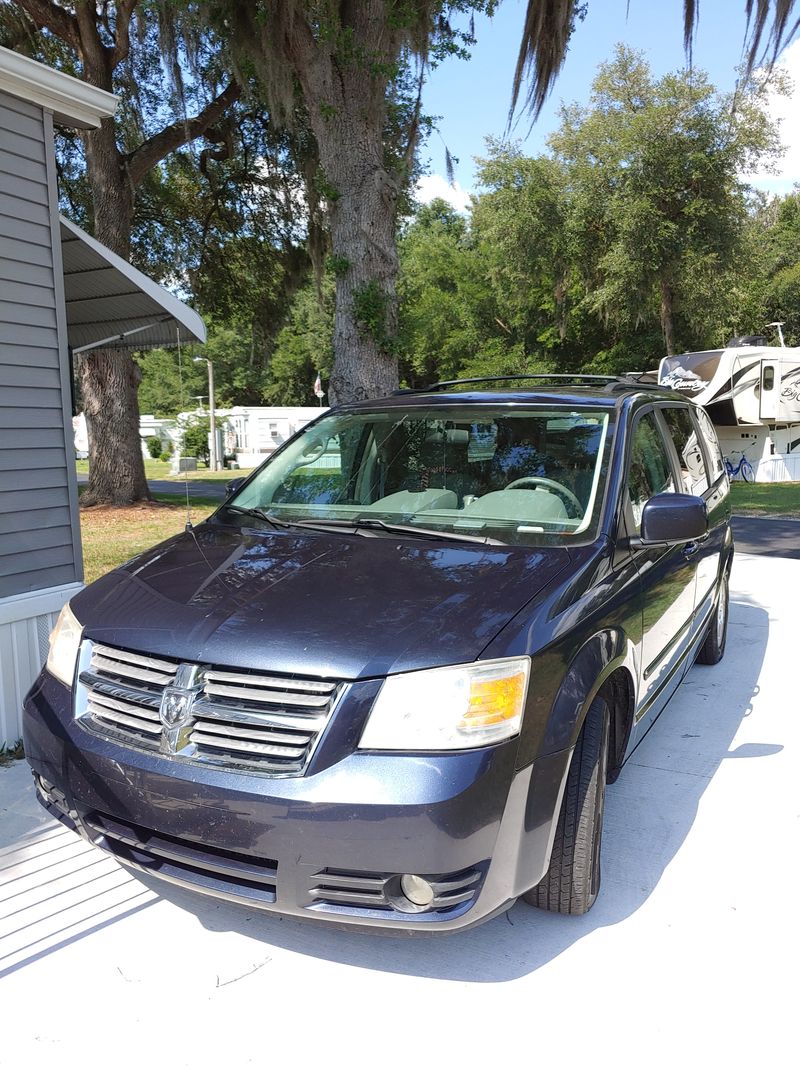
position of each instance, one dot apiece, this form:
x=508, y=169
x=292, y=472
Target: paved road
x=215, y=490
x=197, y=487
x=767, y=537
x=687, y=956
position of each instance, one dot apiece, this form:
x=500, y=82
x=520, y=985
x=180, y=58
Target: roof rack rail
x=511, y=378
x=611, y=382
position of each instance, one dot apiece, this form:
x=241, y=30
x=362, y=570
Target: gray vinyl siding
x=39, y=538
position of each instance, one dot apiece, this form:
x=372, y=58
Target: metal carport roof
x=111, y=304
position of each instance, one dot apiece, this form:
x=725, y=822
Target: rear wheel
x=713, y=648
x=572, y=881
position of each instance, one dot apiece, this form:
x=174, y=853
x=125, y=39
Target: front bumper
x=330, y=845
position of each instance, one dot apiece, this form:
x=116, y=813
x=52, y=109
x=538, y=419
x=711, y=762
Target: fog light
x=417, y=890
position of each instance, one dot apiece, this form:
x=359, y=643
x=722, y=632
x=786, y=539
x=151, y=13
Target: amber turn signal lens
x=493, y=701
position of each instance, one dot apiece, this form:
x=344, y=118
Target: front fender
x=594, y=662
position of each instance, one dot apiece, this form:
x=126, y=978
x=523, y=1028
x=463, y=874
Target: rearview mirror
x=672, y=519
x=232, y=486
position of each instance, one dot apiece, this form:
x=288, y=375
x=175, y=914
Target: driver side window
x=650, y=470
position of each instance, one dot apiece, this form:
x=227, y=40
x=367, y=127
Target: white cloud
x=786, y=110
x=431, y=186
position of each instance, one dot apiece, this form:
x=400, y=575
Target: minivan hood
x=331, y=604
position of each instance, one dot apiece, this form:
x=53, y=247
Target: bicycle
x=743, y=467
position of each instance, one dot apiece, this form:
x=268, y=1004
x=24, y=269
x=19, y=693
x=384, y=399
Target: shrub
x=195, y=438
x=153, y=446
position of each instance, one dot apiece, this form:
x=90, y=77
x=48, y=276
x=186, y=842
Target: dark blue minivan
x=387, y=681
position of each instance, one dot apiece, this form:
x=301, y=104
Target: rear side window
x=710, y=437
x=685, y=437
x=650, y=470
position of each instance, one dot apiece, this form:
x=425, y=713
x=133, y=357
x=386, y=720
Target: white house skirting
x=25, y=625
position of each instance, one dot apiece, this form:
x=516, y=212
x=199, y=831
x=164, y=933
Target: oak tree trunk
x=109, y=378
x=362, y=215
x=109, y=381
x=347, y=106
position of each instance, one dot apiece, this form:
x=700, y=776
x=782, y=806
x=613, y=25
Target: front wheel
x=572, y=881
x=713, y=648
x=748, y=474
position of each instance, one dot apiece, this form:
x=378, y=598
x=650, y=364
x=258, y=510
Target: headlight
x=65, y=640
x=449, y=707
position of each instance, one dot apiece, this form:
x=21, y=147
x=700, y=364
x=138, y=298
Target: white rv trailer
x=751, y=392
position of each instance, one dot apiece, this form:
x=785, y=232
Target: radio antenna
x=183, y=405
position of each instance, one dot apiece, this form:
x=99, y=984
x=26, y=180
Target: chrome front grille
x=261, y=719
x=124, y=692
x=241, y=720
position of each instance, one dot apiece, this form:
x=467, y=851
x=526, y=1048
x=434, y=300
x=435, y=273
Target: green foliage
x=446, y=303
x=172, y=381
x=658, y=209
x=371, y=312
x=774, y=246
x=194, y=439
x=637, y=224
x=303, y=348
x=154, y=447
x=338, y=265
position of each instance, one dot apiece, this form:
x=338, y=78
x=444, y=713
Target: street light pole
x=212, y=413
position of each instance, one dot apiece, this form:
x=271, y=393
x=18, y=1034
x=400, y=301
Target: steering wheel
x=533, y=480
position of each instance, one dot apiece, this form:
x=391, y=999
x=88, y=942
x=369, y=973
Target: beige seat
x=521, y=505
x=409, y=502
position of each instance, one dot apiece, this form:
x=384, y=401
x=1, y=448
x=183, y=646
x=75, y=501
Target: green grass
x=211, y=476
x=155, y=469
x=766, y=498
x=179, y=498
x=111, y=535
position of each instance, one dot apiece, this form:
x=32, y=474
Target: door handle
x=690, y=549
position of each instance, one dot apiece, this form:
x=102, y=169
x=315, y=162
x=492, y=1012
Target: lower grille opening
x=203, y=866
x=336, y=889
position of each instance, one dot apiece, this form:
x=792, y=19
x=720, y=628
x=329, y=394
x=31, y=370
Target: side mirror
x=233, y=485
x=672, y=519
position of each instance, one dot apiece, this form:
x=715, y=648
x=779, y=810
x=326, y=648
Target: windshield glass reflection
x=521, y=476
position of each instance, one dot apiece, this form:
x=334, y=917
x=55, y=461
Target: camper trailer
x=751, y=391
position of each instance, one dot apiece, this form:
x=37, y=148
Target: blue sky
x=472, y=97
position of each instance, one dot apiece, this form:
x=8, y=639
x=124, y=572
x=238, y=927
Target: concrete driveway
x=688, y=957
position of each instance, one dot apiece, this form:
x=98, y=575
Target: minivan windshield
x=522, y=476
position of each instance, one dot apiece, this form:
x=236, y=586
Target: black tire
x=572, y=882
x=748, y=474
x=713, y=648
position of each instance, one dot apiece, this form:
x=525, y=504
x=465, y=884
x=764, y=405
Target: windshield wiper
x=354, y=525
x=259, y=513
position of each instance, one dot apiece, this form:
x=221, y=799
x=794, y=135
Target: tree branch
x=122, y=39
x=157, y=147
x=49, y=16
x=95, y=55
